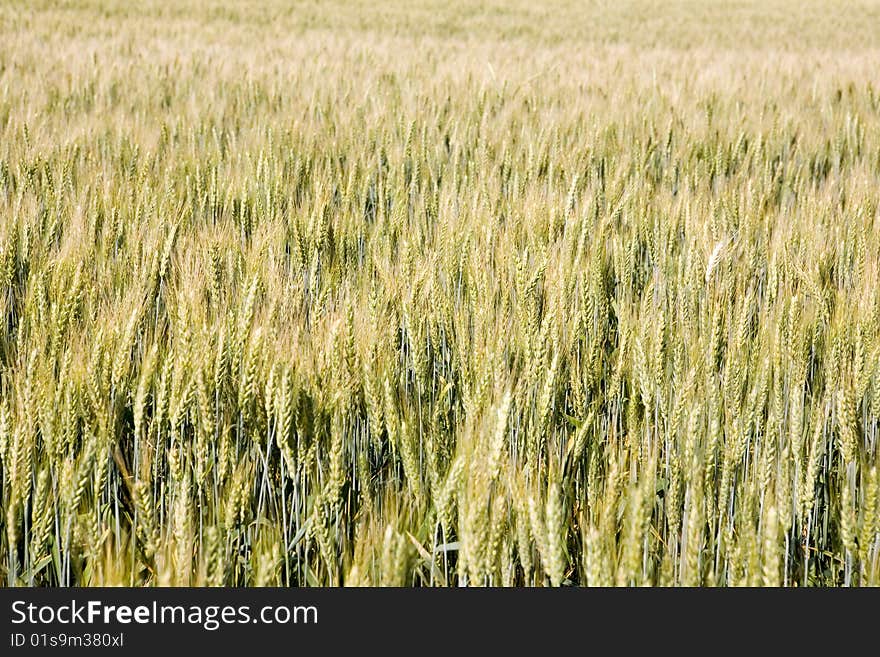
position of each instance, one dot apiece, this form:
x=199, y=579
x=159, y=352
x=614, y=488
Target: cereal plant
x=439, y=293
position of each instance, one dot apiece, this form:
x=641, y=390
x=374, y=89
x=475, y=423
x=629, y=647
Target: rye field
x=439, y=293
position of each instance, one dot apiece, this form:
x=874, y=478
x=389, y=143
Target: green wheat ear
x=554, y=322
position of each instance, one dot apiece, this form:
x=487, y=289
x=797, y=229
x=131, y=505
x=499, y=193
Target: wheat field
x=439, y=293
